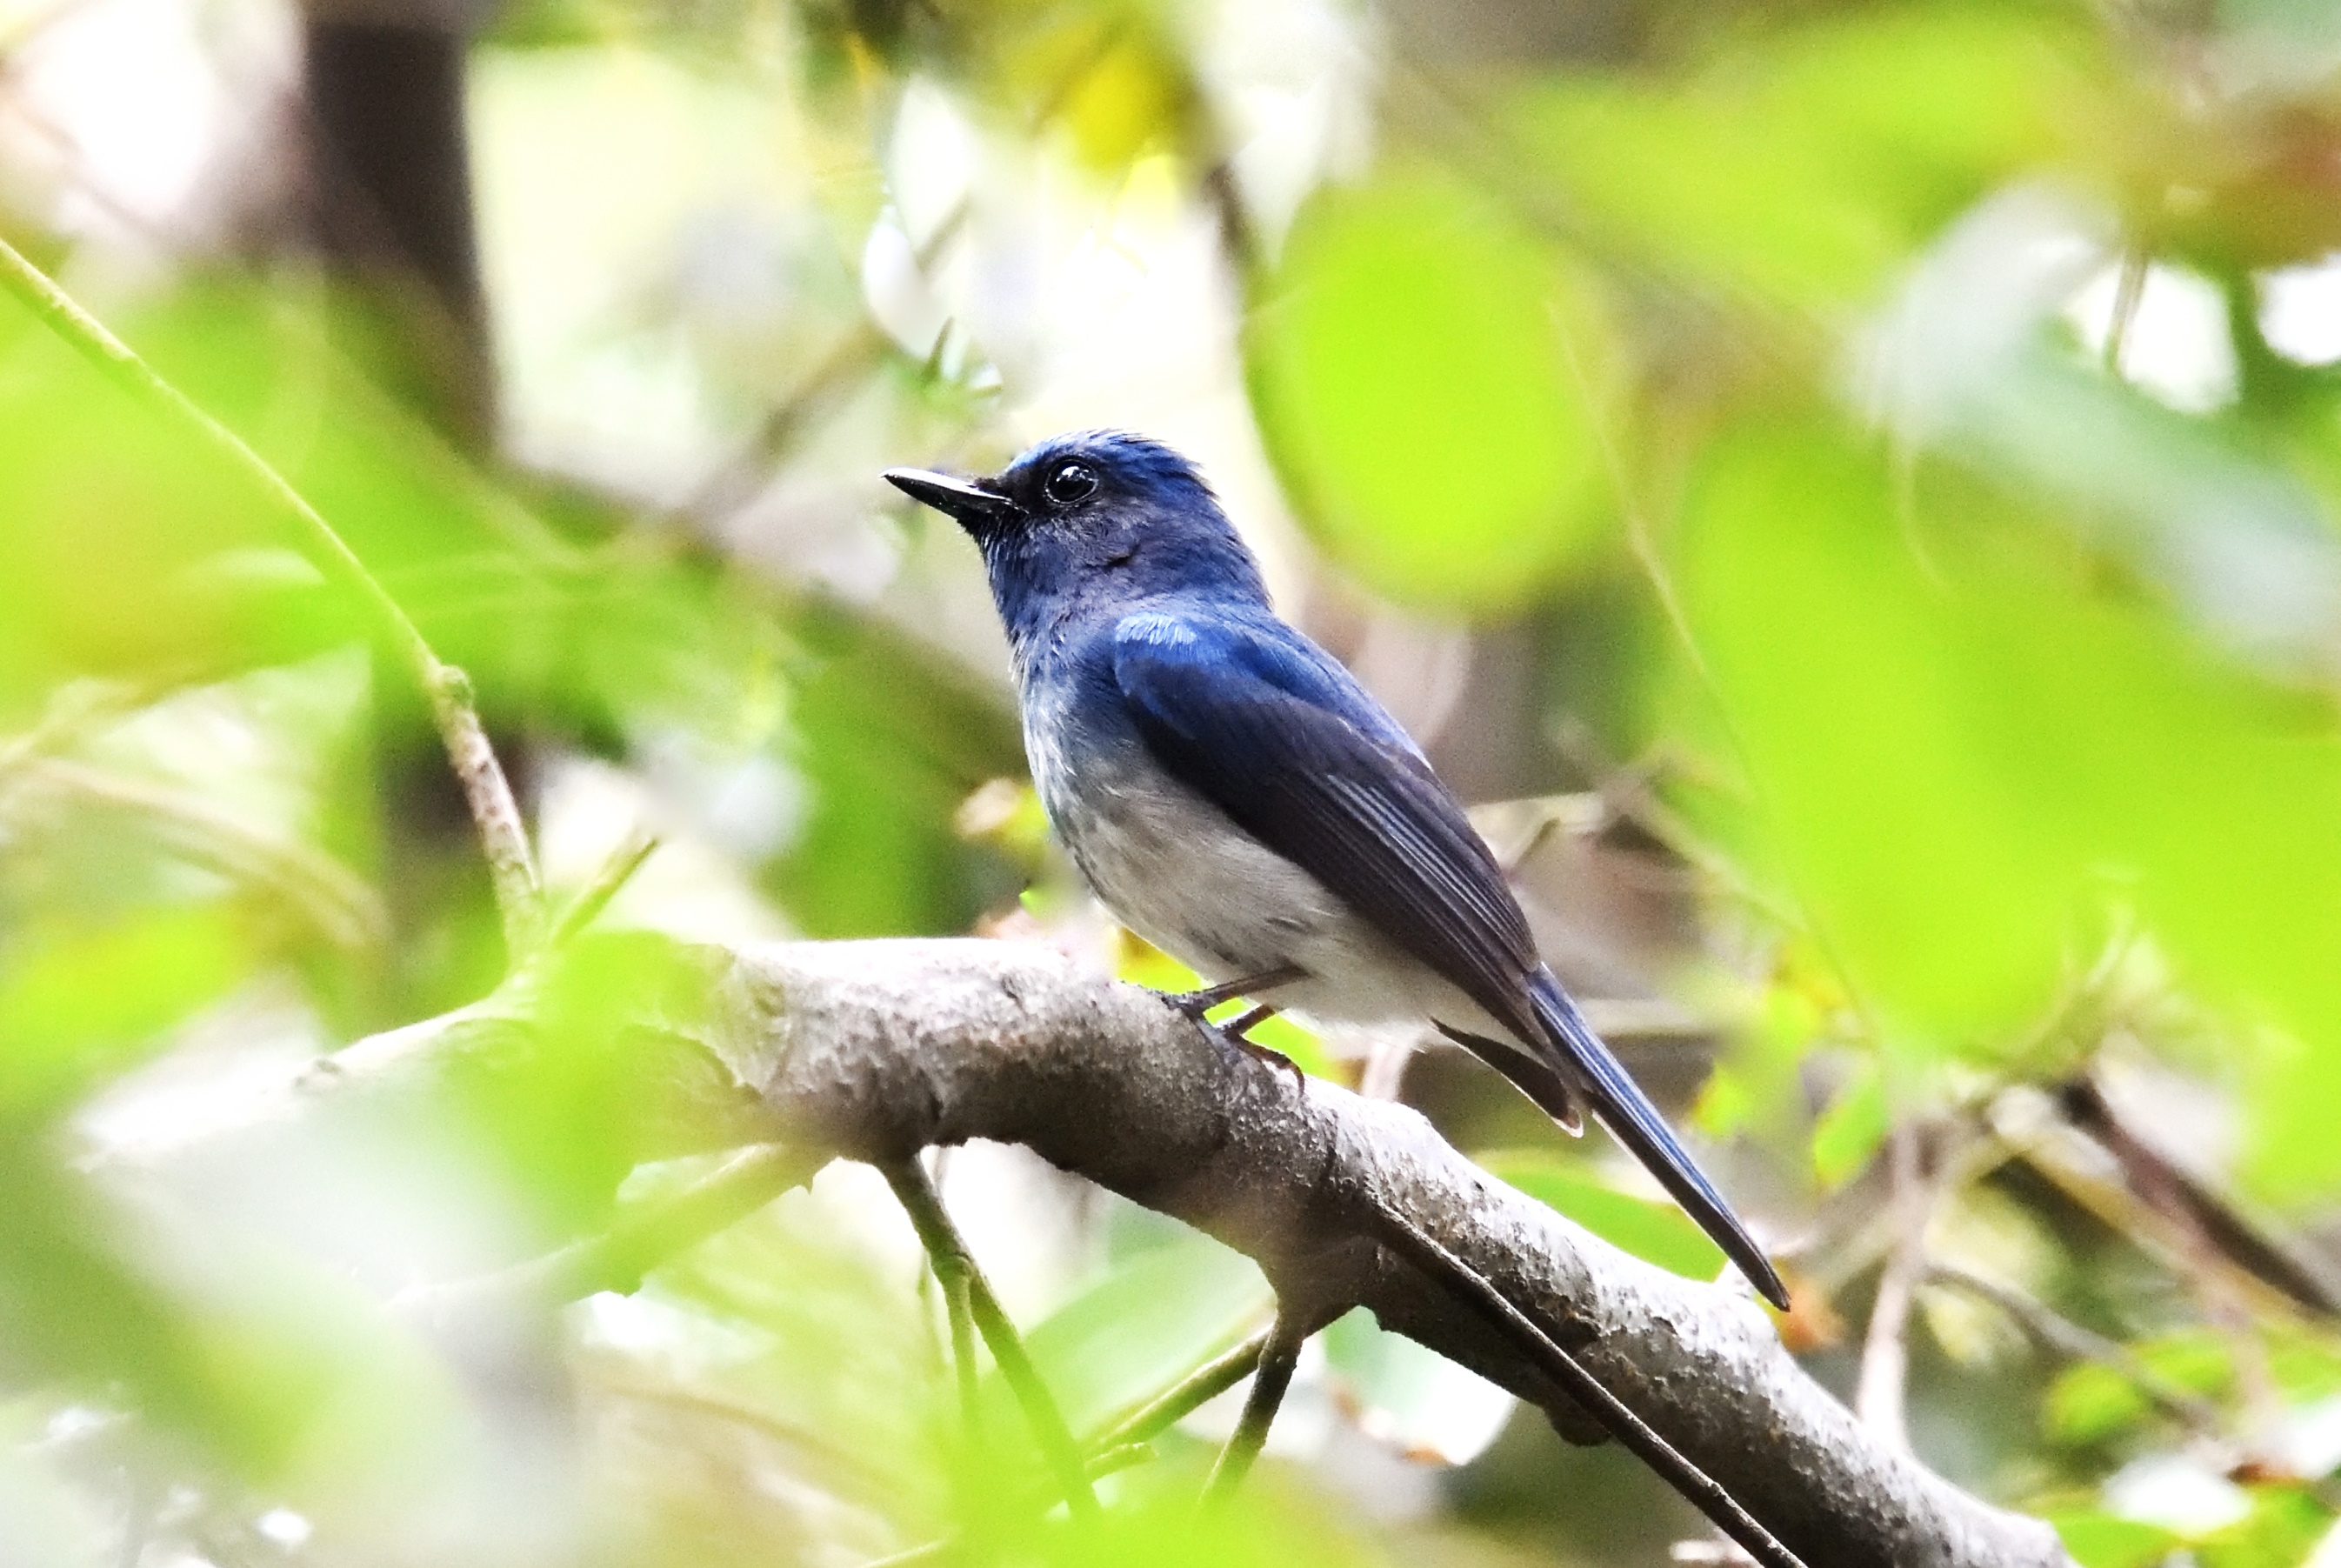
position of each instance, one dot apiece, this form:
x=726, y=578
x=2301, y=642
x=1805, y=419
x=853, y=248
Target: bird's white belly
x=1175, y=870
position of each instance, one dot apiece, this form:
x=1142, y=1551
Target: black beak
x=967, y=501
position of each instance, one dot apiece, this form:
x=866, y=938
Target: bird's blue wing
x=1298, y=756
x=1304, y=761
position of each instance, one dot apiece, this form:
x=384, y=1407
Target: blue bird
x=1236, y=798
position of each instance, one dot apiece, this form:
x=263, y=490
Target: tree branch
x=876, y=1050
x=1545, y=1352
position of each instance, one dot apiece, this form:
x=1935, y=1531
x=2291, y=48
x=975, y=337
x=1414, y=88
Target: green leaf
x=1806, y=166
x=564, y=1106
x=73, y=1002
x=1106, y=76
x=2089, y=1403
x=2280, y=1531
x=890, y=740
x=1963, y=756
x=2305, y=1365
x=2098, y=1540
x=1411, y=1397
x=1423, y=372
x=1852, y=1128
x=1866, y=719
x=1656, y=1233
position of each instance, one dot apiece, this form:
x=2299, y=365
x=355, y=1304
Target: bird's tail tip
x=1630, y=1117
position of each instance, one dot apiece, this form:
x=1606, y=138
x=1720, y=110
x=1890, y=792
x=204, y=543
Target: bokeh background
x=1847, y=490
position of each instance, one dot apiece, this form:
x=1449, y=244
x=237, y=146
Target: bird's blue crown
x=1134, y=463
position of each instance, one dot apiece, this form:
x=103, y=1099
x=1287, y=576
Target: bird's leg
x=1239, y=1027
x=1195, y=1003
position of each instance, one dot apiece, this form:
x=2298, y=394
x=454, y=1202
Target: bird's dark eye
x=1071, y=482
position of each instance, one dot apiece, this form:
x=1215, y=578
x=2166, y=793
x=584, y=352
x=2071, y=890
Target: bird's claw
x=1237, y=1032
x=1268, y=1055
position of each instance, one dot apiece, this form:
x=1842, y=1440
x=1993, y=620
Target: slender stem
x=947, y=1250
x=1110, y=1458
x=2128, y=291
x=956, y=1291
x=1885, y=1347
x=1278, y=1356
x=616, y=873
x=933, y=1551
x=1206, y=1383
x=1047, y=1424
x=2060, y=1335
x=510, y=867
x=617, y=1259
x=1451, y=1275
x=1114, y=1461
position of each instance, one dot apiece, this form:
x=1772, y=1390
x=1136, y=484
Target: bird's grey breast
x=1166, y=862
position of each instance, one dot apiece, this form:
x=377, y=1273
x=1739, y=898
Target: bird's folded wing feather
x=1300, y=758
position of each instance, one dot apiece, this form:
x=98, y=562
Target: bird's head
x=1095, y=518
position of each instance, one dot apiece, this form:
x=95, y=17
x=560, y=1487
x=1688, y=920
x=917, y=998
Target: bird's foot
x=1237, y=1032
x=1195, y=1003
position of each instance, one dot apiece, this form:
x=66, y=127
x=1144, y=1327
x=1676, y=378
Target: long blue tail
x=1634, y=1122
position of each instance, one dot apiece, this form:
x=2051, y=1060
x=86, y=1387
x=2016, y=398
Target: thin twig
x=2060, y=1335
x=1114, y=1461
x=334, y=897
x=1458, y=1280
x=933, y=1551
x=954, y=1286
x=1278, y=1354
x=1885, y=1346
x=2128, y=293
x=947, y=1252
x=616, y=873
x=503, y=836
x=617, y=1259
x=1198, y=1387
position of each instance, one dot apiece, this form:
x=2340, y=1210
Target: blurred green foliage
x=1796, y=416
x=1422, y=367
